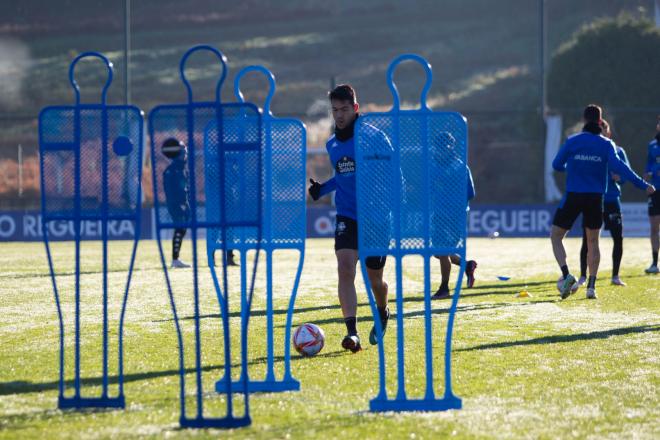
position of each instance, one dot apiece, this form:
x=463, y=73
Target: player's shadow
x=506, y=284
x=409, y=299
x=72, y=274
x=257, y=313
x=500, y=288
x=435, y=310
x=559, y=339
x=262, y=313
x=24, y=387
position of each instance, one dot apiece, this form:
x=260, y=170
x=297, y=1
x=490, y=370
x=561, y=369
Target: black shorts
x=590, y=205
x=346, y=237
x=654, y=204
x=612, y=219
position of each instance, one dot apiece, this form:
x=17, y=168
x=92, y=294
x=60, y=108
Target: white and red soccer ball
x=308, y=339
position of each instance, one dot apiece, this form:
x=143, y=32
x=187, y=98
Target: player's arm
x=623, y=169
x=470, y=184
x=649, y=165
x=559, y=163
x=624, y=157
x=318, y=190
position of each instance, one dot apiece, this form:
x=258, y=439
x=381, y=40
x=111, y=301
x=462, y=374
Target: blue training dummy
x=421, y=213
x=91, y=179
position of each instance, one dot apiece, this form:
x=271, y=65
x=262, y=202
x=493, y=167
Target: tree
x=614, y=63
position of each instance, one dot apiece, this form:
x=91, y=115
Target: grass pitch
x=525, y=367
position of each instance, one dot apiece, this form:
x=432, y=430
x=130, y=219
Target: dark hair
x=593, y=113
x=172, y=147
x=605, y=124
x=343, y=92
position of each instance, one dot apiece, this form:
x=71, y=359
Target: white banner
x=552, y=142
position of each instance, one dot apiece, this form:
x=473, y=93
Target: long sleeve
x=624, y=157
x=621, y=168
x=649, y=161
x=328, y=187
x=470, y=184
x=559, y=163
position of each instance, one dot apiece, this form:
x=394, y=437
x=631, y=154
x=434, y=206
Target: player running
x=587, y=157
x=612, y=220
x=175, y=184
x=447, y=160
x=653, y=176
x=341, y=151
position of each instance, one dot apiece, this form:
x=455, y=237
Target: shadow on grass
x=46, y=274
x=559, y=339
x=436, y=311
x=412, y=299
x=24, y=387
x=503, y=285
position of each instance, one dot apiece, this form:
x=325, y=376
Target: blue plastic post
x=408, y=172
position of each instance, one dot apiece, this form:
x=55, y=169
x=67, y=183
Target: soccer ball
x=308, y=339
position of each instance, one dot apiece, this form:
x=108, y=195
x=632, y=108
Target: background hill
x=485, y=56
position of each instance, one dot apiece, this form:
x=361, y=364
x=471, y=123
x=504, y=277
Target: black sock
x=351, y=325
x=617, y=254
x=564, y=270
x=592, y=282
x=383, y=313
x=655, y=258
x=176, y=242
x=583, y=254
x=444, y=284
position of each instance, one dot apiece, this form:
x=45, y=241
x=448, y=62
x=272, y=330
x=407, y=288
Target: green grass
x=525, y=367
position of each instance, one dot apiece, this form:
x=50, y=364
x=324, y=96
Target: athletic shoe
x=441, y=293
x=178, y=264
x=591, y=293
x=579, y=284
x=470, y=267
x=652, y=269
x=566, y=286
x=373, y=339
x=351, y=342
x=617, y=281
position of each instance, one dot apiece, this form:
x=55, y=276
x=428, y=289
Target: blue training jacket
x=470, y=184
x=653, y=162
x=587, y=158
x=342, y=158
x=175, y=184
x=613, y=193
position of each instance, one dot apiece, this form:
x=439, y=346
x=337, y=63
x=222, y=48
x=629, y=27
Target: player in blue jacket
x=341, y=151
x=653, y=176
x=175, y=184
x=587, y=157
x=448, y=160
x=612, y=220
